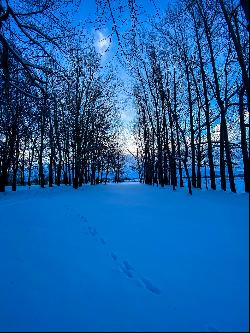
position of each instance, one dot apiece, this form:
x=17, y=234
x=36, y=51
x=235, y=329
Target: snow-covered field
x=125, y=257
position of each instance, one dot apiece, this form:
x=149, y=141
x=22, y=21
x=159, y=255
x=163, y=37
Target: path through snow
x=125, y=257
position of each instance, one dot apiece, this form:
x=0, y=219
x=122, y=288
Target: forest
x=60, y=118
x=124, y=166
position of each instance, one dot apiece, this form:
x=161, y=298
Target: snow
x=125, y=257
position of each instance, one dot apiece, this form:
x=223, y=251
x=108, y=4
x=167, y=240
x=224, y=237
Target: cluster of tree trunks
x=58, y=117
x=192, y=97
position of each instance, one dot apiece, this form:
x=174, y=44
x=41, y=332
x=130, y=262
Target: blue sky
x=87, y=13
x=88, y=7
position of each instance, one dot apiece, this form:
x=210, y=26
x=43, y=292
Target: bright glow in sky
x=107, y=49
x=102, y=42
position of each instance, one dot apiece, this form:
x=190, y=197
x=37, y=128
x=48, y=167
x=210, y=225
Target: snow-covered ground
x=126, y=257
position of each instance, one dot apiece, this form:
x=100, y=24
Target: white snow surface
x=123, y=257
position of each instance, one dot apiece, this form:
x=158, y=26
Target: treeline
x=191, y=95
x=58, y=107
x=58, y=110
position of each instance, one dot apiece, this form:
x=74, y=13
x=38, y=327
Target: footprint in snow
x=127, y=268
x=114, y=256
x=102, y=241
x=124, y=266
x=92, y=231
x=148, y=285
x=127, y=265
x=127, y=272
x=83, y=219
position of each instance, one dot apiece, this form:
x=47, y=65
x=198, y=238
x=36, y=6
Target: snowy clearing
x=125, y=257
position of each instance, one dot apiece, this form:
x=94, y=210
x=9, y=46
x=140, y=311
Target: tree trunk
x=207, y=116
x=244, y=149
